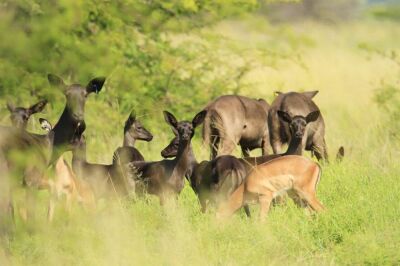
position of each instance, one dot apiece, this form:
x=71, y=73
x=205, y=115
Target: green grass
x=361, y=194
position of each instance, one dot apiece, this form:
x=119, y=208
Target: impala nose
x=299, y=135
x=78, y=117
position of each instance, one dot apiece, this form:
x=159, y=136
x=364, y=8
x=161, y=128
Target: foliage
x=387, y=95
x=143, y=48
x=125, y=40
x=388, y=99
x=388, y=12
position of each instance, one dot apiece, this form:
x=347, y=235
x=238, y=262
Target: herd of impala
x=225, y=181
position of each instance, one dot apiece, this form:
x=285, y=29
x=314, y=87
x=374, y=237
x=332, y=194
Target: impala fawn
x=66, y=183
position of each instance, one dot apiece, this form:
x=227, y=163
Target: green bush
x=388, y=99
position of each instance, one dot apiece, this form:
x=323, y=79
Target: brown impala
x=236, y=120
x=295, y=174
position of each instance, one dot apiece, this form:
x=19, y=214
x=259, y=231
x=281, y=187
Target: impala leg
x=90, y=201
x=234, y=202
x=52, y=201
x=68, y=202
x=279, y=200
x=203, y=203
x=297, y=199
x=245, y=152
x=247, y=210
x=315, y=204
x=85, y=196
x=7, y=222
x=274, y=132
x=203, y=207
x=50, y=210
x=265, y=145
x=227, y=147
x=162, y=199
x=277, y=147
x=265, y=202
x=6, y=204
x=11, y=211
x=30, y=203
x=214, y=144
x=319, y=149
x=309, y=195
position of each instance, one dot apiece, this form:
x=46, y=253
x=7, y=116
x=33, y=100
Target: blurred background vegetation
x=158, y=54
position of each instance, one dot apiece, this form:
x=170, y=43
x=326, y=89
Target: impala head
x=20, y=115
x=76, y=94
x=172, y=149
x=135, y=130
x=183, y=130
x=308, y=94
x=298, y=123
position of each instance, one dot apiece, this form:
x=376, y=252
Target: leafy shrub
x=387, y=11
x=153, y=53
x=388, y=99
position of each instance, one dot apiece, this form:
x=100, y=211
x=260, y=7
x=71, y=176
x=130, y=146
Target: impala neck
x=191, y=161
x=79, y=154
x=190, y=174
x=65, y=128
x=64, y=131
x=182, y=159
x=295, y=147
x=129, y=141
x=183, y=162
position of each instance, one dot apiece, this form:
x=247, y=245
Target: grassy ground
x=361, y=194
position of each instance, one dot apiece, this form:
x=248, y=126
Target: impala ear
x=132, y=118
x=199, y=118
x=313, y=116
x=36, y=108
x=10, y=107
x=45, y=124
x=95, y=85
x=284, y=116
x=171, y=120
x=175, y=131
x=132, y=115
x=310, y=94
x=340, y=154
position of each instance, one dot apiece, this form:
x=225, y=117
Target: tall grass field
x=354, y=66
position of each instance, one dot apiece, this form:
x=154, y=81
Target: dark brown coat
x=236, y=120
x=212, y=181
x=297, y=104
x=167, y=177
x=28, y=154
x=133, y=130
x=104, y=180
